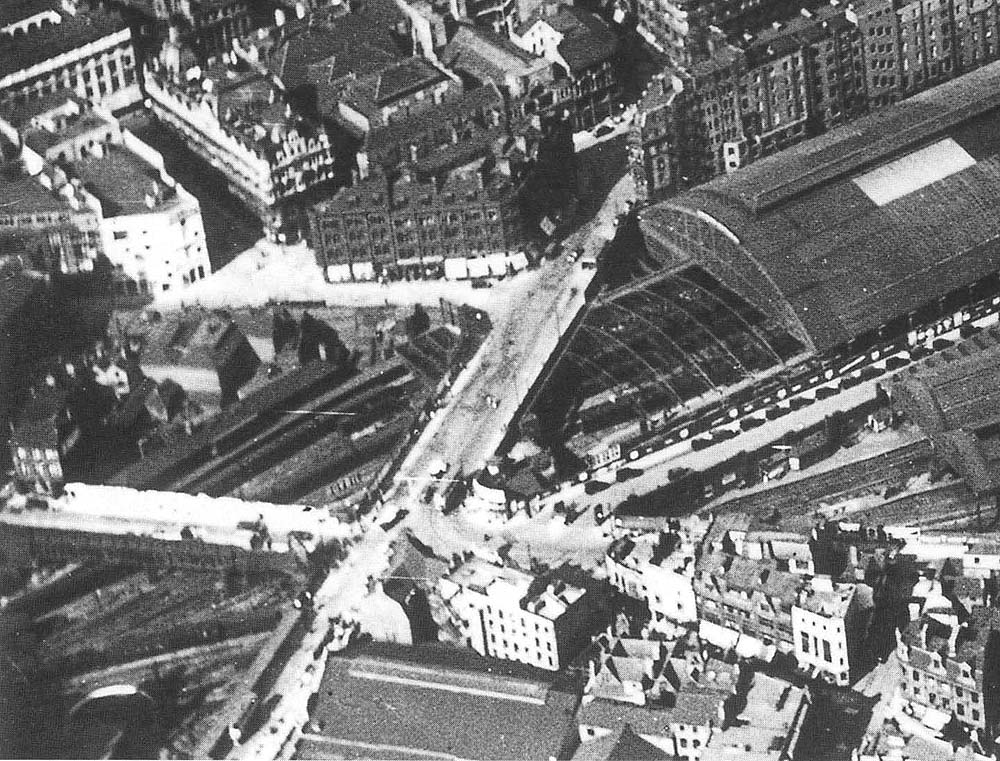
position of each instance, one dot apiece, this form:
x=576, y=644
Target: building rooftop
x=587, y=38
x=383, y=86
x=767, y=726
x=21, y=194
x=511, y=587
x=828, y=254
x=403, y=708
x=954, y=644
x=489, y=56
x=829, y=600
x=24, y=51
x=623, y=745
x=12, y=11
x=750, y=575
x=476, y=106
x=330, y=45
x=664, y=549
x=955, y=398
x=890, y=741
x=125, y=184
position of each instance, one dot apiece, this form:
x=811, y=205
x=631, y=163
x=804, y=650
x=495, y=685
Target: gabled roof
x=588, y=39
x=489, y=56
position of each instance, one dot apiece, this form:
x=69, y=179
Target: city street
x=526, y=330
x=463, y=433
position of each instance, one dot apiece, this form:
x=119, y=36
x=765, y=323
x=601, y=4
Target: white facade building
x=658, y=569
x=502, y=616
x=823, y=627
x=148, y=226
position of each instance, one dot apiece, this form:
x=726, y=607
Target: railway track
x=866, y=476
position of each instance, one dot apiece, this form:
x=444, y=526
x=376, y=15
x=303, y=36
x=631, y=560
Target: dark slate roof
x=24, y=51
x=399, y=705
x=623, y=745
x=338, y=46
x=588, y=38
x=404, y=78
x=955, y=398
x=488, y=56
x=37, y=425
x=827, y=256
x=12, y=11
x=383, y=141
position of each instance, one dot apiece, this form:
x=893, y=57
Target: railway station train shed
x=955, y=399
x=854, y=230
x=856, y=237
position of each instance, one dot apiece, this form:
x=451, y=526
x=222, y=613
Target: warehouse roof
x=955, y=398
x=395, y=706
x=820, y=232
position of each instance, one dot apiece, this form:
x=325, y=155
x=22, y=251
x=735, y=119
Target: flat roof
x=798, y=237
x=121, y=181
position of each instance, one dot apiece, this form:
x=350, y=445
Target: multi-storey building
x=152, y=228
x=386, y=226
x=656, y=142
x=667, y=692
x=452, y=135
x=525, y=79
x=977, y=25
x=833, y=63
x=926, y=44
x=209, y=26
x=56, y=223
x=658, y=569
x=42, y=436
x=108, y=194
x=951, y=668
x=749, y=598
x=584, y=50
x=44, y=48
x=393, y=94
x=828, y=625
x=240, y=121
x=877, y=22
x=509, y=614
x=739, y=103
